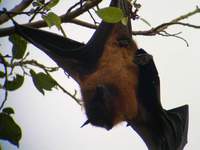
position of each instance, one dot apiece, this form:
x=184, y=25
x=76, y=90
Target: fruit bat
x=118, y=81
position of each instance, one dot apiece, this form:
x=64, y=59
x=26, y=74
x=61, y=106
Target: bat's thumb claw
x=85, y=123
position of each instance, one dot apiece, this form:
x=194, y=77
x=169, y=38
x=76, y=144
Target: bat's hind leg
x=142, y=58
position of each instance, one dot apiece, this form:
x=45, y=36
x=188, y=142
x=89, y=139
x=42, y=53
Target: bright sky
x=52, y=122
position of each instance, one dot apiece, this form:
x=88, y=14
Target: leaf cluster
x=12, y=80
x=9, y=129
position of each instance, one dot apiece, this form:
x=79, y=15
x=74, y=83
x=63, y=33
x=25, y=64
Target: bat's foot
x=142, y=58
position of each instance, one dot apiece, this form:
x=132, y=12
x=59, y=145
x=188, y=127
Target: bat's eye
x=124, y=41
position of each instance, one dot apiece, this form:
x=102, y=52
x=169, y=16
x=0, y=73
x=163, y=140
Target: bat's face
x=109, y=93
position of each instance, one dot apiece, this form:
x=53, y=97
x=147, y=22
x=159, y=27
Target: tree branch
x=68, y=17
x=47, y=71
x=175, y=21
x=34, y=63
x=69, y=94
x=18, y=8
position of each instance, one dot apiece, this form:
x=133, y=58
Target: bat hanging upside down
x=118, y=81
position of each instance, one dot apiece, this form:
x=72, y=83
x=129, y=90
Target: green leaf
x=9, y=130
x=2, y=74
x=8, y=110
x=46, y=81
x=43, y=81
x=19, y=46
x=1, y=1
x=51, y=4
x=15, y=83
x=52, y=19
x=124, y=20
x=36, y=82
x=110, y=14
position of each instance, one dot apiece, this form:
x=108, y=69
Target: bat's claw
x=142, y=58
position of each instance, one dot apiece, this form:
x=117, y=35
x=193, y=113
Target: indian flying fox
x=118, y=81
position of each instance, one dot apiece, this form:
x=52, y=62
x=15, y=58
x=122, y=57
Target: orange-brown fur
x=115, y=68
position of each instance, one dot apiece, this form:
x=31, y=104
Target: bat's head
x=101, y=111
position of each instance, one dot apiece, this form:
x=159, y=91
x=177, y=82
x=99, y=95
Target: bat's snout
x=100, y=108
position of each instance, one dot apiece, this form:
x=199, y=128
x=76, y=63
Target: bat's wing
x=50, y=42
x=160, y=129
x=74, y=57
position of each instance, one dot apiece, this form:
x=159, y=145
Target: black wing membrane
x=48, y=41
x=159, y=128
x=72, y=56
x=51, y=43
x=68, y=54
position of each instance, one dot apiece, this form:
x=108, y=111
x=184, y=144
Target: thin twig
x=176, y=20
x=18, y=8
x=20, y=13
x=62, y=31
x=92, y=17
x=47, y=70
x=176, y=23
x=64, y=18
x=68, y=93
x=165, y=33
x=34, y=63
x=65, y=91
x=38, y=9
x=74, y=6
